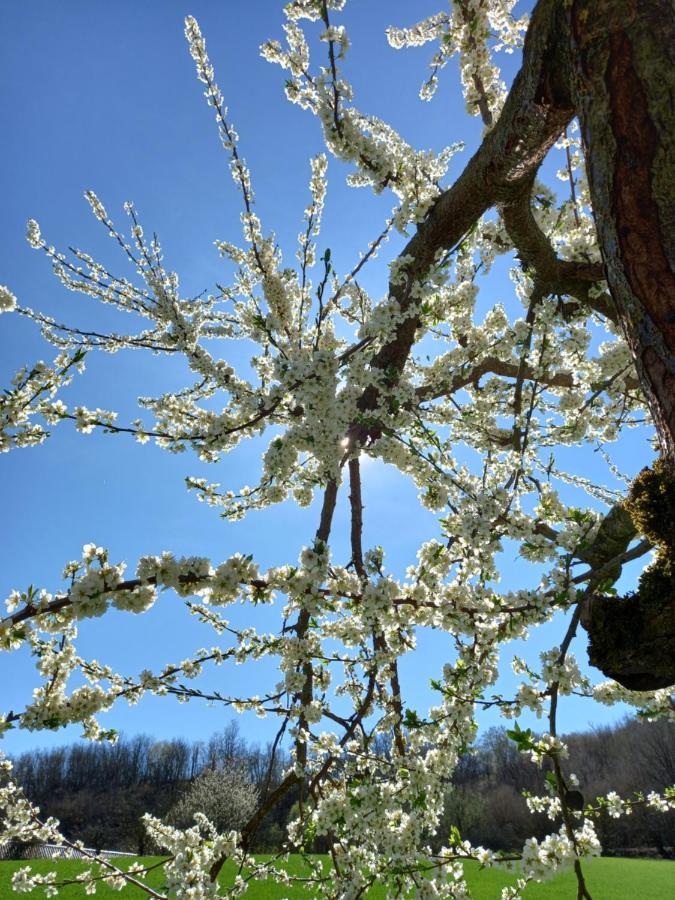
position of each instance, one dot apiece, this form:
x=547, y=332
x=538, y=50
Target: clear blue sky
x=103, y=96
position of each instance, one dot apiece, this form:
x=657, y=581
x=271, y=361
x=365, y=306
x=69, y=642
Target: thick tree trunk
x=623, y=76
x=622, y=65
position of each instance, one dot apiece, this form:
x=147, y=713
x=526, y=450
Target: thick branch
x=535, y=113
x=490, y=365
x=551, y=274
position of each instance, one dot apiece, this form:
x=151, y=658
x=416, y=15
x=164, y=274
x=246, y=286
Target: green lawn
x=607, y=879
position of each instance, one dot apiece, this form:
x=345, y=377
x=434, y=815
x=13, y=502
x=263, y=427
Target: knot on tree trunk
x=632, y=638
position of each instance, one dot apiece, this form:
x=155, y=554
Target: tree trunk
x=623, y=77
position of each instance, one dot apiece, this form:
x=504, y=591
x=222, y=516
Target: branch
x=535, y=114
x=379, y=639
x=63, y=601
x=495, y=366
x=561, y=786
x=551, y=274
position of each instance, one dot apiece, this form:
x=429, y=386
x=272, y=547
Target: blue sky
x=104, y=96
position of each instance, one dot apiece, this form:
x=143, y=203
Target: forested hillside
x=99, y=791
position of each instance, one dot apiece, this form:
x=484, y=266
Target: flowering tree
x=474, y=421
x=225, y=795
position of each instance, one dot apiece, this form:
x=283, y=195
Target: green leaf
x=455, y=838
x=411, y=719
x=524, y=739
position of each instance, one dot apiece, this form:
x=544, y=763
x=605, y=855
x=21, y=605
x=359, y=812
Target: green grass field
x=607, y=879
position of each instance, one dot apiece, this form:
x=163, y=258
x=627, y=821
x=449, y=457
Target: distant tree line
x=485, y=800
x=100, y=791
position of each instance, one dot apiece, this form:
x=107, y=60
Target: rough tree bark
x=622, y=61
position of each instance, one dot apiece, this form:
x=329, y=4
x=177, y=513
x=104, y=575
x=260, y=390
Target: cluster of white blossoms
x=650, y=704
x=193, y=851
x=541, y=859
x=7, y=299
x=483, y=416
x=32, y=395
x=616, y=806
x=474, y=29
x=549, y=805
x=383, y=159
